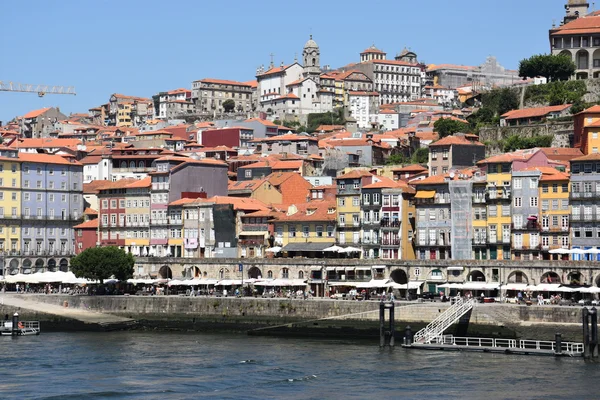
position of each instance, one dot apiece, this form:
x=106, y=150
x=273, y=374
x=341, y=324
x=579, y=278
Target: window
x=305, y=231
x=517, y=183
x=533, y=201
x=545, y=188
x=319, y=230
x=366, y=198
x=292, y=231
x=356, y=201
x=341, y=201
x=375, y=198
x=518, y=202
x=248, y=173
x=533, y=183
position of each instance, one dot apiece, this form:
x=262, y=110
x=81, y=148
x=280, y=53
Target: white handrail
x=437, y=327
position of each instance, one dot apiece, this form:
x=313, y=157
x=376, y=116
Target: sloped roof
x=411, y=168
x=91, y=224
x=534, y=112
x=45, y=158
x=315, y=210
x=455, y=140
x=583, y=25
x=354, y=174
x=35, y=113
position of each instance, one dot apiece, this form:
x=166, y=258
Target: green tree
x=397, y=159
x=447, y=126
x=517, y=142
x=100, y=263
x=228, y=105
x=421, y=156
x=558, y=67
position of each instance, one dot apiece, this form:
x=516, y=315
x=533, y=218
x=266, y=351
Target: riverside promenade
x=318, y=317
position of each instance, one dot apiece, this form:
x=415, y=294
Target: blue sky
x=142, y=47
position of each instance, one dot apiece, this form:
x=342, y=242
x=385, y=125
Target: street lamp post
x=241, y=269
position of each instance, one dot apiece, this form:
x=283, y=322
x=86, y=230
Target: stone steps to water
x=102, y=320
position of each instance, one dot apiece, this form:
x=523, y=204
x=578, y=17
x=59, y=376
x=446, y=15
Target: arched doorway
x=39, y=265
x=582, y=59
x=63, y=265
x=223, y=273
x=196, y=273
x=52, y=265
x=575, y=278
x=476, y=276
x=254, y=273
x=399, y=276
x=13, y=266
x=517, y=277
x=165, y=272
x=550, y=277
x=300, y=274
x=27, y=266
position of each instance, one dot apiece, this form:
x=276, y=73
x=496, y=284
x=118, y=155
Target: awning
x=307, y=246
x=340, y=269
x=480, y=286
x=545, y=287
x=373, y=283
x=425, y=194
x=282, y=282
x=412, y=285
x=378, y=267
x=363, y=268
x=316, y=268
x=330, y=268
x=456, y=268
x=515, y=286
x=349, y=268
x=353, y=284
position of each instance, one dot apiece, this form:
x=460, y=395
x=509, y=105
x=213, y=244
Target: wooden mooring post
x=386, y=336
x=590, y=332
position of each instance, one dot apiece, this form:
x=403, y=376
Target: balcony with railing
x=528, y=226
x=387, y=223
x=593, y=194
x=370, y=241
x=259, y=228
x=390, y=241
x=497, y=193
x=371, y=223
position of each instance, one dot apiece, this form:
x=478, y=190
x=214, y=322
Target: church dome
x=311, y=43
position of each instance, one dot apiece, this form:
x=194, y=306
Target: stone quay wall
x=502, y=271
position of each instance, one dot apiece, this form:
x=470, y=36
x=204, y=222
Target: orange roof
x=411, y=168
x=240, y=203
x=534, y=112
x=427, y=135
x=292, y=164
x=455, y=140
x=434, y=67
x=584, y=24
x=253, y=84
x=518, y=155
x=275, y=70
x=186, y=200
x=45, y=158
x=178, y=91
x=315, y=210
x=94, y=186
x=35, y=113
x=372, y=49
x=44, y=143
x=592, y=109
x=355, y=173
x=91, y=224
x=549, y=174
x=245, y=185
x=90, y=211
x=262, y=121
x=142, y=183
x=223, y=82
x=588, y=157
x=561, y=153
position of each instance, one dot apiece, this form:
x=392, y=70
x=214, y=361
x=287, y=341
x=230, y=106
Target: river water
x=150, y=365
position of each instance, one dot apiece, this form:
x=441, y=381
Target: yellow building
x=10, y=203
x=587, y=130
x=137, y=217
x=498, y=196
x=555, y=212
x=307, y=228
x=124, y=114
x=349, y=188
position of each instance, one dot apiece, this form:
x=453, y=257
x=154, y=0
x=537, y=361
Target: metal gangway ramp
x=436, y=328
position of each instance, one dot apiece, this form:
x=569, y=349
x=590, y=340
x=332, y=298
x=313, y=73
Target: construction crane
x=41, y=90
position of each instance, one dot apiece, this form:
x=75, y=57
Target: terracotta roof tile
x=223, y=82
x=534, y=112
x=455, y=140
x=35, y=113
x=91, y=224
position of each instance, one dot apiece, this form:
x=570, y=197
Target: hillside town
x=386, y=158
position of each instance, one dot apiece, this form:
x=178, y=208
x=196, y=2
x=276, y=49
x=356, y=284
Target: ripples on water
x=140, y=365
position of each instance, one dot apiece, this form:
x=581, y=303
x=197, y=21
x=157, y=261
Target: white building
x=363, y=107
x=173, y=103
x=390, y=120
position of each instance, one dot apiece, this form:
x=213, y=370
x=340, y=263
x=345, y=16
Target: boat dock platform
x=555, y=348
x=23, y=328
